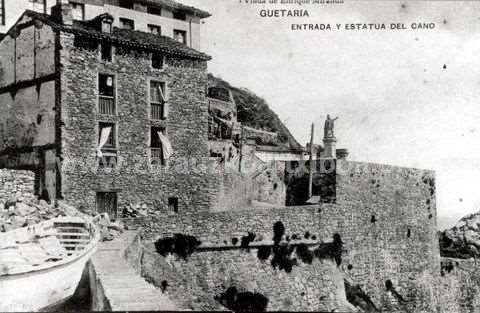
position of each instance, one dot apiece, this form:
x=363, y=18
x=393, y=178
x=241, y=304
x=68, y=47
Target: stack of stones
x=19, y=207
x=22, y=212
x=16, y=185
x=138, y=210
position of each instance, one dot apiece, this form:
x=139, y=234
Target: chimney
x=62, y=12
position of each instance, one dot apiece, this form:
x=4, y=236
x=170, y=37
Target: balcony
x=106, y=105
x=109, y=158
x=157, y=156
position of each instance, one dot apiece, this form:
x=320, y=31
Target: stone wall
x=15, y=185
x=459, y=286
x=231, y=191
x=185, y=292
x=134, y=179
x=269, y=184
x=396, y=233
x=194, y=283
x=389, y=235
x=309, y=287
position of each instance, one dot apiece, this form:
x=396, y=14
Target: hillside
x=463, y=239
x=254, y=111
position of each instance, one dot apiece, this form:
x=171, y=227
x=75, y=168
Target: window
x=173, y=204
x=154, y=29
x=179, y=16
x=157, y=60
x=39, y=6
x=110, y=140
x=127, y=4
x=78, y=11
x=157, y=100
x=107, y=203
x=127, y=23
x=154, y=10
x=106, y=52
x=2, y=12
x=107, y=145
x=156, y=146
x=180, y=36
x=106, y=93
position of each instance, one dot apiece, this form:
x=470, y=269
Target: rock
x=20, y=220
x=115, y=226
x=10, y=203
x=43, y=203
x=462, y=240
x=23, y=210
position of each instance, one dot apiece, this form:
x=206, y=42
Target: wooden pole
x=241, y=152
x=310, y=174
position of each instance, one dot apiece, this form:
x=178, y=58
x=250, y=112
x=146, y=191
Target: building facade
x=106, y=117
x=165, y=17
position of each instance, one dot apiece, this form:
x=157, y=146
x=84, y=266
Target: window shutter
x=165, y=110
x=166, y=103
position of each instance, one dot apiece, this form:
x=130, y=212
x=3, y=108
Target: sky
x=404, y=97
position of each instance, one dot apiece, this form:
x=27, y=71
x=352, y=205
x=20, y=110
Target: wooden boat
x=41, y=265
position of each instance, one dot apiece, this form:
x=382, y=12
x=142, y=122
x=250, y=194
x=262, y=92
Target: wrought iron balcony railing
x=106, y=105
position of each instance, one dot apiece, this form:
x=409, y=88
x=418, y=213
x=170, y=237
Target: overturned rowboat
x=41, y=265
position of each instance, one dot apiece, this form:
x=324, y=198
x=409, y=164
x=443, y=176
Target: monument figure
x=329, y=127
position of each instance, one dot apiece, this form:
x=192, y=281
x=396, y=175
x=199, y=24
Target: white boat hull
x=46, y=285
x=38, y=290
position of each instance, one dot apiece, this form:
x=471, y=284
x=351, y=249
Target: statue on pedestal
x=329, y=126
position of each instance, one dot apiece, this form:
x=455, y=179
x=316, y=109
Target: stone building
x=105, y=116
x=165, y=17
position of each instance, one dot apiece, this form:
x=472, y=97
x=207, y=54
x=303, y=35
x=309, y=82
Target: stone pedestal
x=329, y=147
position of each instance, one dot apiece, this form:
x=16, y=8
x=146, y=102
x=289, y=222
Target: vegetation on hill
x=254, y=111
x=463, y=239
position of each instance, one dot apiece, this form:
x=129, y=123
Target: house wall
x=27, y=119
x=27, y=54
x=167, y=23
x=27, y=115
x=134, y=179
x=264, y=137
x=27, y=101
x=14, y=10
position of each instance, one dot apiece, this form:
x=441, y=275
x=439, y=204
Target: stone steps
x=124, y=289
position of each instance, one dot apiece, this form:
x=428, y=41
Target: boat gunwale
x=65, y=262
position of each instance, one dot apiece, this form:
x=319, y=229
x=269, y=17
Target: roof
x=177, y=6
x=123, y=37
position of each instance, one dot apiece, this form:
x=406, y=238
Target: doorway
x=107, y=203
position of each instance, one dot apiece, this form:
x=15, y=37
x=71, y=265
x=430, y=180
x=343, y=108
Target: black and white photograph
x=240, y=156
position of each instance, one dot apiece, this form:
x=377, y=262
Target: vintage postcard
x=239, y=155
